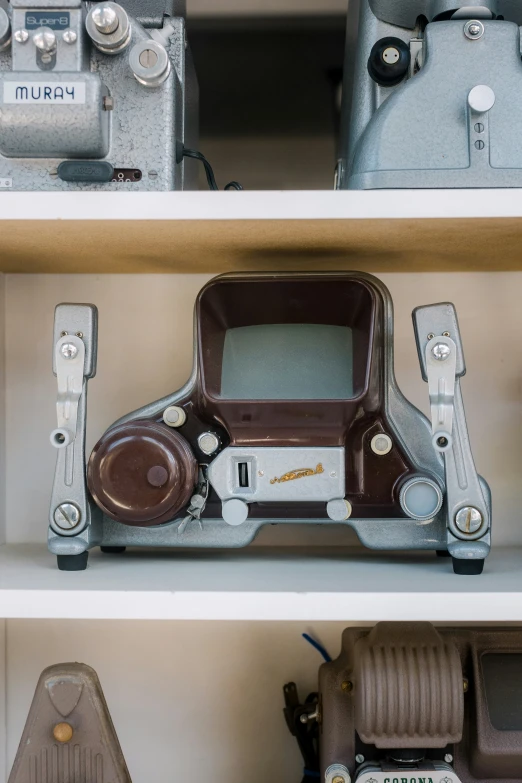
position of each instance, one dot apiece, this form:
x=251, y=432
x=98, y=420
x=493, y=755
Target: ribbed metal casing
x=408, y=687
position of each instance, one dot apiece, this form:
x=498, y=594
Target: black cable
x=306, y=733
x=209, y=171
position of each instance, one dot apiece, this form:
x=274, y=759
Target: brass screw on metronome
x=347, y=686
x=63, y=732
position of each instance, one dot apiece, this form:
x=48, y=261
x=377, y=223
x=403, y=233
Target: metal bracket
x=69, y=360
x=442, y=365
x=74, y=362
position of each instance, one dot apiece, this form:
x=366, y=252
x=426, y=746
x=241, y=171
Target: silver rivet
x=469, y=520
x=105, y=19
x=430, y=336
x=69, y=36
x=441, y=352
x=174, y=416
x=79, y=334
x=21, y=36
x=445, y=334
x=69, y=351
x=148, y=58
x=359, y=758
x=208, y=443
x=448, y=758
x=45, y=40
x=474, y=29
x=381, y=444
x=67, y=516
x=261, y=473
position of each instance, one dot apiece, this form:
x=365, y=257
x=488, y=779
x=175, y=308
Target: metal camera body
x=95, y=96
x=409, y=703
x=292, y=415
x=428, y=95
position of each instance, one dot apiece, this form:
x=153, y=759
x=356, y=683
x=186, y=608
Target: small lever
x=442, y=365
x=69, y=361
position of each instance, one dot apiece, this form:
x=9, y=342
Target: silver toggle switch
x=45, y=40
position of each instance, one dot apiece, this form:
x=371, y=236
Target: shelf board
x=379, y=231
x=259, y=584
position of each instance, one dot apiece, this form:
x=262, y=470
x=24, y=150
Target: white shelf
x=262, y=205
x=379, y=231
x=257, y=584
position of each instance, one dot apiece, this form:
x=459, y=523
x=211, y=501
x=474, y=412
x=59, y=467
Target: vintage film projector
x=96, y=96
x=428, y=95
x=291, y=415
x=409, y=703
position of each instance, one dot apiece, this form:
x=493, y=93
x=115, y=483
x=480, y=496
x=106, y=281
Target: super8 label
x=56, y=20
x=40, y=92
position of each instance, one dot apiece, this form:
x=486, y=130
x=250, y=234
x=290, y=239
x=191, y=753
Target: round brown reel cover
x=142, y=473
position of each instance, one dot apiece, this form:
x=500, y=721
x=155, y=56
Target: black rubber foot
x=72, y=562
x=468, y=567
x=443, y=553
x=113, y=550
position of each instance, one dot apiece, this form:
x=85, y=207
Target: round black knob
x=389, y=61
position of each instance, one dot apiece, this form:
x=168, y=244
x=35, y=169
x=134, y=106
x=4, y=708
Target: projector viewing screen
x=288, y=362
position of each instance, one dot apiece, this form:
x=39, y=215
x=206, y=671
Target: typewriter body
x=292, y=415
x=408, y=702
x=95, y=96
x=427, y=98
x=69, y=734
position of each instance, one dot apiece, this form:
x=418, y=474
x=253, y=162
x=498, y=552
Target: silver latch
x=441, y=366
x=69, y=361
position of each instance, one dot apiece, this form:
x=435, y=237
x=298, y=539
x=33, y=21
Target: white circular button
x=481, y=98
x=339, y=510
x=234, y=512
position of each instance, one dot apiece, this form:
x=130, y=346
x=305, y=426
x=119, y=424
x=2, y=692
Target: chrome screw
x=441, y=351
x=67, y=516
x=469, y=520
x=69, y=351
x=448, y=758
x=359, y=758
x=70, y=37
x=21, y=36
x=473, y=29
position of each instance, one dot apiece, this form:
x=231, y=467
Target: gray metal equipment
x=429, y=95
x=95, y=96
x=243, y=444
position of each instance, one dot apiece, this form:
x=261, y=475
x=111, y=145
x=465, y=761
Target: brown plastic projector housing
x=69, y=736
x=345, y=299
x=409, y=685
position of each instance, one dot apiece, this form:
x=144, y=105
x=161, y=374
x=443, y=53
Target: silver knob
x=105, y=18
x=5, y=29
x=45, y=40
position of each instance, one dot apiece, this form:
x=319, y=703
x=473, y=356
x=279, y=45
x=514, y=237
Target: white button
x=481, y=98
